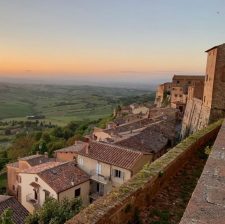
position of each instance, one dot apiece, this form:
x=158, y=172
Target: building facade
x=200, y=112
x=58, y=180
x=108, y=165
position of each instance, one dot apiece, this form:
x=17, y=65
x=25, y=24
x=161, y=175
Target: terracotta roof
x=64, y=176
x=19, y=212
x=130, y=126
x=74, y=148
x=148, y=140
x=39, y=168
x=112, y=154
x=34, y=160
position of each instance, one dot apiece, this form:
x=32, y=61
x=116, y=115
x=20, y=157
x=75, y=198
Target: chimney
x=37, y=152
x=46, y=155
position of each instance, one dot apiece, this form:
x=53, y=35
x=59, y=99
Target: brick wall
x=207, y=201
x=118, y=206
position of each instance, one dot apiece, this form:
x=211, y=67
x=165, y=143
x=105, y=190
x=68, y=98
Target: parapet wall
x=119, y=205
x=207, y=201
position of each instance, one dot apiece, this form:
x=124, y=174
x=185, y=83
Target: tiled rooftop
x=36, y=159
x=39, y=168
x=112, y=154
x=19, y=212
x=64, y=176
x=59, y=175
x=74, y=148
x=148, y=140
x=208, y=199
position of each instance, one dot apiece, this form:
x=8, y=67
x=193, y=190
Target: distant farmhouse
x=35, y=117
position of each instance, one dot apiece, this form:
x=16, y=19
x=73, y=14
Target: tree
x=7, y=131
x=57, y=132
x=55, y=212
x=38, y=135
x=46, y=137
x=6, y=217
x=54, y=145
x=21, y=147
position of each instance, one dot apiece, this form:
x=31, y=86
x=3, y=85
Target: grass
x=62, y=104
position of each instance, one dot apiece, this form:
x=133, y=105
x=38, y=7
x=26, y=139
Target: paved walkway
x=207, y=204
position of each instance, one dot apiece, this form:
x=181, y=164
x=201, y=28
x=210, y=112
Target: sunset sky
x=108, y=39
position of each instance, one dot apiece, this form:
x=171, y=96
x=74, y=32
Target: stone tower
x=214, y=88
x=200, y=111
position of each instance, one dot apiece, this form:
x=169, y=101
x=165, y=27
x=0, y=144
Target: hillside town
x=108, y=158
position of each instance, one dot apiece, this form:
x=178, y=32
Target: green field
x=62, y=104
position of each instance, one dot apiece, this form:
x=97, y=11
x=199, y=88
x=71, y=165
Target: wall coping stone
x=207, y=204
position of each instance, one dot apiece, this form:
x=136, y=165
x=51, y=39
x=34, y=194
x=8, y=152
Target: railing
x=99, y=177
x=30, y=198
x=96, y=195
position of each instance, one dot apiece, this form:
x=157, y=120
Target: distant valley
x=61, y=104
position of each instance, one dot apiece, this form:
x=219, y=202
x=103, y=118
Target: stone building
x=108, y=165
x=58, y=180
x=180, y=86
x=175, y=94
x=211, y=106
x=13, y=169
x=163, y=90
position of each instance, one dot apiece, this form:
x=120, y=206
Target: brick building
x=201, y=111
x=163, y=90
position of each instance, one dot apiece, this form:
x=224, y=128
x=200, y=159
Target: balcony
x=99, y=177
x=30, y=198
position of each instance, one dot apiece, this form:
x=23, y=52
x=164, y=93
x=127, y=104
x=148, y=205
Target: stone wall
x=118, y=206
x=208, y=196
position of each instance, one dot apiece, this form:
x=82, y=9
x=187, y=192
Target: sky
x=108, y=40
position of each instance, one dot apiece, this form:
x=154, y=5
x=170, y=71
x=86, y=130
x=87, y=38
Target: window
x=98, y=168
x=36, y=179
x=175, y=95
x=204, y=99
x=77, y=193
x=180, y=95
x=178, y=82
x=80, y=161
x=35, y=194
x=47, y=194
x=18, y=178
x=117, y=173
x=189, y=82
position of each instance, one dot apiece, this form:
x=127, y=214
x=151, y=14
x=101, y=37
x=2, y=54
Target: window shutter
x=122, y=175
